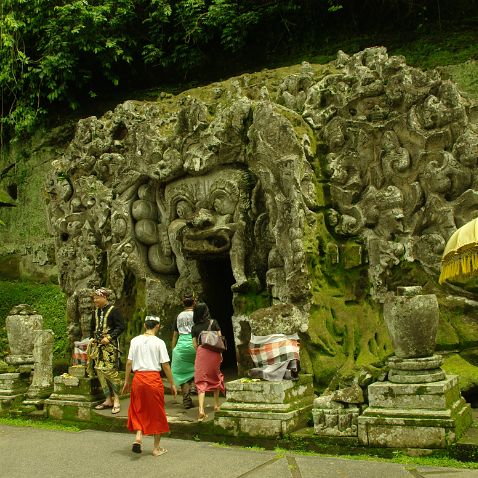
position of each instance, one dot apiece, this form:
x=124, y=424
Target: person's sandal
x=202, y=417
x=136, y=448
x=159, y=451
x=116, y=410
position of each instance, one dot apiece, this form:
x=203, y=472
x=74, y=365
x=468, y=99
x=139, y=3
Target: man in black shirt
x=106, y=326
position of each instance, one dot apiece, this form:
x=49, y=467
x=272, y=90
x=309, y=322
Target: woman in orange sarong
x=146, y=358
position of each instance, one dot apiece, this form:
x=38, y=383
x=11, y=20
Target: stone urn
x=22, y=324
x=412, y=322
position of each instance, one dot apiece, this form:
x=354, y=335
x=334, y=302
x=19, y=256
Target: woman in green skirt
x=184, y=353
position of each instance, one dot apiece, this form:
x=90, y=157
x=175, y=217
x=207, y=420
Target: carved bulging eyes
x=183, y=209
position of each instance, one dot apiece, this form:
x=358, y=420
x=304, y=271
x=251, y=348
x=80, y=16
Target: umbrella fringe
x=459, y=265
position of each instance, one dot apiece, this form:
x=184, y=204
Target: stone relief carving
x=247, y=171
x=152, y=193
x=387, y=125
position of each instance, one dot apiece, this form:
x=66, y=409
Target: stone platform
x=405, y=415
x=265, y=409
x=74, y=395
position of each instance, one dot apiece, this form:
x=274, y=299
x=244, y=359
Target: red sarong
x=146, y=410
x=207, y=371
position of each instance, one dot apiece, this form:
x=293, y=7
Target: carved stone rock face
x=290, y=182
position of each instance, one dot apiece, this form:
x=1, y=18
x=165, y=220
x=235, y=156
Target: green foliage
x=66, y=52
x=47, y=299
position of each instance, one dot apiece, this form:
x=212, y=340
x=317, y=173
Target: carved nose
x=203, y=218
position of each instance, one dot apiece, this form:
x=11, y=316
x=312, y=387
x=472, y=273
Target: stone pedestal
x=419, y=407
x=74, y=395
x=42, y=381
x=22, y=324
x=13, y=386
x=267, y=409
x=414, y=415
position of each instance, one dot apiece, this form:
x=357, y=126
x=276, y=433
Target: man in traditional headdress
x=103, y=351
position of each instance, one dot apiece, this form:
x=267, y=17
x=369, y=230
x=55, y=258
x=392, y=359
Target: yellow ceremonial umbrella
x=460, y=257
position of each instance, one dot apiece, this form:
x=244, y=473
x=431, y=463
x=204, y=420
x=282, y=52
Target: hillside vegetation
x=66, y=54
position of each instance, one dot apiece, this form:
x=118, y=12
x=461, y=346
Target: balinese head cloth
x=152, y=318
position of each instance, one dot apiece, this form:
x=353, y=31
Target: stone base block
x=36, y=403
x=73, y=398
x=340, y=422
x=70, y=409
x=68, y=387
x=19, y=359
x=267, y=409
x=413, y=428
x=13, y=384
x=9, y=402
x=428, y=396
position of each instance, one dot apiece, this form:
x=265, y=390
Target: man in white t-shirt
x=146, y=358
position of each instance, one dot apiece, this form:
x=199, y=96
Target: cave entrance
x=217, y=279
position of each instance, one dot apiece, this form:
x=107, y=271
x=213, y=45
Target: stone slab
x=257, y=424
x=422, y=363
x=306, y=401
x=434, y=396
x=278, y=392
x=342, y=422
x=70, y=409
x=416, y=428
x=416, y=376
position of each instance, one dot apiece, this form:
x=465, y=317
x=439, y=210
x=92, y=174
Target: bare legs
x=187, y=400
x=201, y=396
x=216, y=400
x=201, y=413
x=157, y=450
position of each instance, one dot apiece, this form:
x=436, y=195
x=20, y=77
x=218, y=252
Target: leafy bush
x=65, y=52
x=47, y=299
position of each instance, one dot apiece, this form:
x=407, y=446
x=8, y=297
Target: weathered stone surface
x=433, y=396
x=419, y=363
x=337, y=423
x=414, y=416
x=42, y=381
x=416, y=376
x=269, y=176
x=22, y=324
x=267, y=409
x=412, y=322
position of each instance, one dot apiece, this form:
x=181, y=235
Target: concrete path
x=35, y=453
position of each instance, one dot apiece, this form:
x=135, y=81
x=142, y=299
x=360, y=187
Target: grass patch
x=441, y=459
x=47, y=299
x=43, y=424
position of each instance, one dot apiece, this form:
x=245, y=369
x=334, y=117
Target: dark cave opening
x=217, y=279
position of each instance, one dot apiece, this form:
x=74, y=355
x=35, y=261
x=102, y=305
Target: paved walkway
x=35, y=453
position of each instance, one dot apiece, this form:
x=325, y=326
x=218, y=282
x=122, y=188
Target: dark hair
x=150, y=324
x=201, y=313
x=188, y=300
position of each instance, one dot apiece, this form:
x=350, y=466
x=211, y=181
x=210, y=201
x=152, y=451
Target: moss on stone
x=456, y=365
